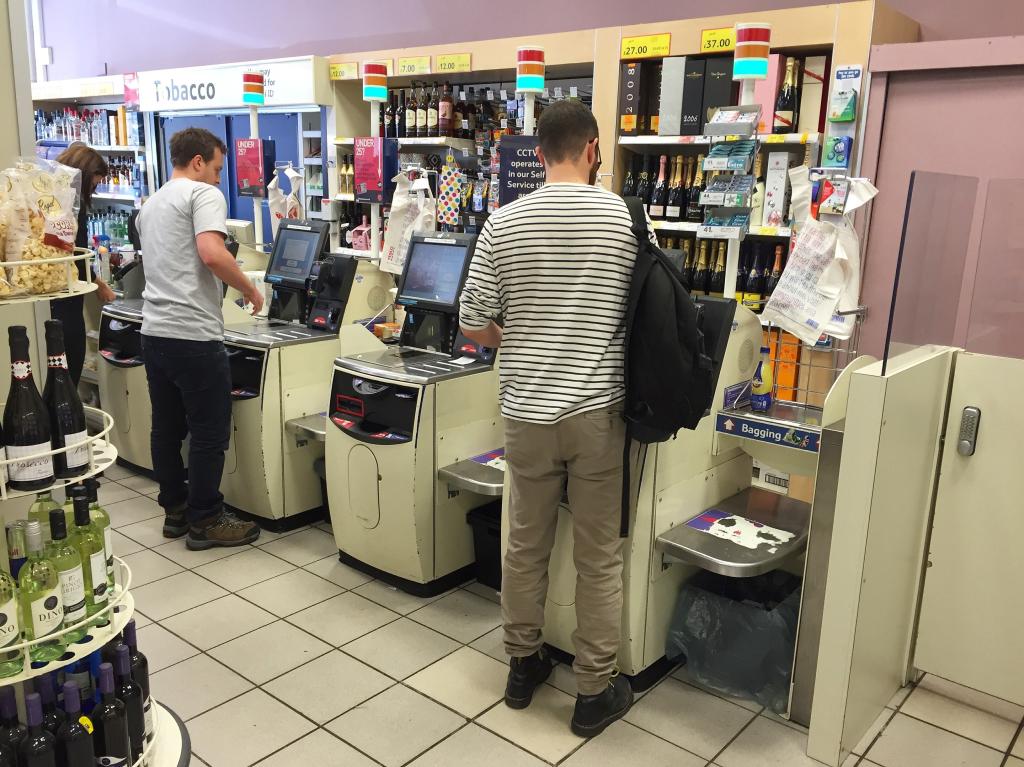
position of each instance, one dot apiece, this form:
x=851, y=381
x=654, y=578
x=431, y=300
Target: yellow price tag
x=646, y=46
x=454, y=62
x=718, y=40
x=774, y=138
x=414, y=65
x=345, y=70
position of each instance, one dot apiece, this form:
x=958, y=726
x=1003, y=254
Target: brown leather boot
x=222, y=529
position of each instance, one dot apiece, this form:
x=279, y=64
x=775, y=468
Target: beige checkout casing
x=267, y=470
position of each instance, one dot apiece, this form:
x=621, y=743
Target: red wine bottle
x=39, y=749
x=67, y=416
x=26, y=421
x=53, y=717
x=110, y=724
x=130, y=692
x=74, y=743
x=12, y=732
x=140, y=673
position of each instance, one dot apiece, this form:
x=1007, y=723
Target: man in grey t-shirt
x=182, y=228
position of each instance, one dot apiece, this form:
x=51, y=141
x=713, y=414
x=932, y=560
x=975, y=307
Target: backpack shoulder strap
x=636, y=212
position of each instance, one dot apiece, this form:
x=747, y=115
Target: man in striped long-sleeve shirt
x=556, y=265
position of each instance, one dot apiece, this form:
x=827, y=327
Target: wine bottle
x=40, y=511
x=672, y=207
x=446, y=112
x=39, y=749
x=656, y=205
x=26, y=421
x=629, y=185
x=102, y=521
x=643, y=184
x=470, y=114
x=12, y=732
x=776, y=273
x=12, y=662
x=53, y=717
x=754, y=288
x=140, y=673
x=401, y=118
x=432, y=112
x=110, y=724
x=410, y=114
x=130, y=693
x=786, y=101
x=421, y=113
x=388, y=111
x=700, y=272
x=69, y=570
x=741, y=271
x=88, y=542
x=687, y=266
x=67, y=416
x=716, y=283
x=694, y=211
x=74, y=741
x=82, y=673
x=40, y=595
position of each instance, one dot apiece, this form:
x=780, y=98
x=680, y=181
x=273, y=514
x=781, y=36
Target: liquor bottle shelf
x=437, y=141
x=114, y=197
x=132, y=149
x=343, y=140
x=312, y=160
x=638, y=143
x=311, y=134
x=676, y=226
x=345, y=197
x=770, y=231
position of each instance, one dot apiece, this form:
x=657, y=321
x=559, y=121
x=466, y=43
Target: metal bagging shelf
x=102, y=455
x=75, y=287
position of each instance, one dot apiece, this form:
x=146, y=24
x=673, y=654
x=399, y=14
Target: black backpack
x=669, y=375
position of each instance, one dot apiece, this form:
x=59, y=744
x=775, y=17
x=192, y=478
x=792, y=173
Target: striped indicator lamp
x=753, y=44
x=375, y=81
x=530, y=69
x=253, y=89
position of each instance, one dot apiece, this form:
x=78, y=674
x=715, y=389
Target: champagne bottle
x=410, y=114
x=741, y=271
x=629, y=185
x=12, y=732
x=786, y=101
x=88, y=542
x=67, y=416
x=130, y=693
x=110, y=724
x=39, y=749
x=754, y=288
x=40, y=512
x=643, y=184
x=140, y=673
x=716, y=283
x=673, y=209
x=433, y=112
x=700, y=272
x=26, y=421
x=656, y=206
x=11, y=661
x=102, y=521
x=53, y=717
x=776, y=273
x=446, y=112
x=68, y=562
x=687, y=266
x=74, y=741
x=694, y=211
x=42, y=607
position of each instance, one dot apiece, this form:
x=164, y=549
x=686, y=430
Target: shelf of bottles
x=641, y=143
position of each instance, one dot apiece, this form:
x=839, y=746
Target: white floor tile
x=123, y=545
x=148, y=566
x=1014, y=762
x=140, y=484
x=270, y=651
x=372, y=727
x=328, y=686
x=132, y=510
x=266, y=536
x=900, y=696
x=1018, y=747
x=869, y=737
x=303, y=548
x=624, y=744
x=184, y=556
x=334, y=571
x=245, y=730
x=218, y=621
x=245, y=569
x=290, y=592
x=150, y=533
x=117, y=471
x=966, y=712
x=564, y=678
x=484, y=591
x=684, y=676
x=176, y=594
x=343, y=618
x=195, y=761
x=460, y=615
x=318, y=749
x=140, y=619
x=473, y=746
x=401, y=648
x=111, y=492
x=767, y=744
x=542, y=728
x=196, y=685
x=162, y=648
x=492, y=643
x=907, y=742
x=392, y=598
x=467, y=681
x=688, y=717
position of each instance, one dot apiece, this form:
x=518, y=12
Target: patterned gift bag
x=449, y=194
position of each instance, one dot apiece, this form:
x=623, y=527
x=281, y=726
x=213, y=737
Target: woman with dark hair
x=71, y=311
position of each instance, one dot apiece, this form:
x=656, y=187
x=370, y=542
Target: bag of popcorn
x=6, y=206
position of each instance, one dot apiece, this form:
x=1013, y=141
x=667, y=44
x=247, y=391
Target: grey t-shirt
x=182, y=298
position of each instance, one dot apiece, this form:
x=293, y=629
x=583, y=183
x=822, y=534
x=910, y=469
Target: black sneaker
x=524, y=676
x=595, y=712
x=222, y=529
x=175, y=522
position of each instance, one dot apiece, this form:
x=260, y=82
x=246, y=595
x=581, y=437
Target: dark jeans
x=71, y=313
x=190, y=391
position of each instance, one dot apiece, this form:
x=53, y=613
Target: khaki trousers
x=585, y=453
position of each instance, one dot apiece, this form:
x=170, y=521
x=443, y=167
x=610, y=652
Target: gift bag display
x=449, y=195
x=412, y=210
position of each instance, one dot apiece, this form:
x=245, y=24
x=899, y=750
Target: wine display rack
x=75, y=287
x=640, y=143
x=102, y=455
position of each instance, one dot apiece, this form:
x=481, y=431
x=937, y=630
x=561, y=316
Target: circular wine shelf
x=102, y=455
x=75, y=287
x=119, y=610
x=171, y=746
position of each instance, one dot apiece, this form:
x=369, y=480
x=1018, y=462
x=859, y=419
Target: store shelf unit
x=435, y=142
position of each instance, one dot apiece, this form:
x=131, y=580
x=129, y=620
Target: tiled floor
x=278, y=655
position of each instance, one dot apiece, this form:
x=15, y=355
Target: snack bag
x=6, y=289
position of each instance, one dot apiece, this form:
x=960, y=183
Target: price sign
x=646, y=46
x=454, y=62
x=345, y=70
x=774, y=138
x=414, y=65
x=718, y=40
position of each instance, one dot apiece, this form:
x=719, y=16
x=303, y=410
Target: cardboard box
x=719, y=89
x=776, y=190
x=693, y=97
x=632, y=98
x=670, y=101
x=813, y=88
x=767, y=90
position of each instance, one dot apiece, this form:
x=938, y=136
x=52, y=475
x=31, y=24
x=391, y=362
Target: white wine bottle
x=11, y=661
x=102, y=521
x=40, y=512
x=66, y=559
x=42, y=608
x=88, y=541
